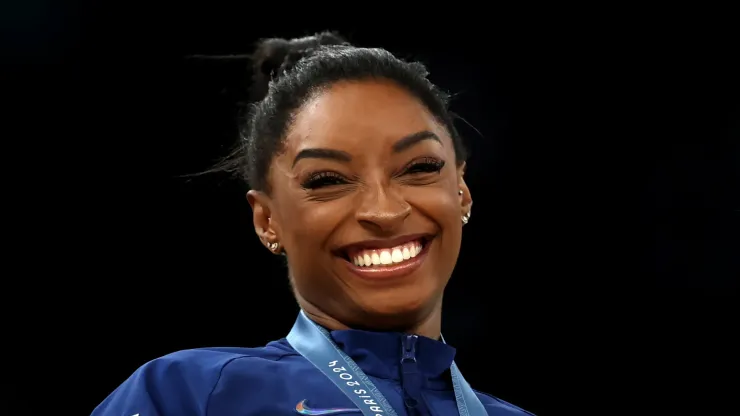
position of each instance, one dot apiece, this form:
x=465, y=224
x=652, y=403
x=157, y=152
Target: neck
x=428, y=325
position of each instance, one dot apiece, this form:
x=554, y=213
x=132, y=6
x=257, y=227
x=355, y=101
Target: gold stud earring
x=460, y=192
x=274, y=247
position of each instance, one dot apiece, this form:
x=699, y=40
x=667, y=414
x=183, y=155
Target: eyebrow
x=413, y=139
x=341, y=156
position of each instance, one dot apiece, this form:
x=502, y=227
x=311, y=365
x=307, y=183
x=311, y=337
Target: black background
x=599, y=270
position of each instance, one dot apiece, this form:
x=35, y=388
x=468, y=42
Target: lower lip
x=392, y=271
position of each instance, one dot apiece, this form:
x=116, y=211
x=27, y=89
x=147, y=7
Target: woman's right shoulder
x=209, y=364
x=214, y=359
x=190, y=375
x=211, y=356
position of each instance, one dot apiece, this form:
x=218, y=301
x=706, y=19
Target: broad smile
x=382, y=259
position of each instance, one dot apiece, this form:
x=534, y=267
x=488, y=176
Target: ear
x=466, y=200
x=262, y=217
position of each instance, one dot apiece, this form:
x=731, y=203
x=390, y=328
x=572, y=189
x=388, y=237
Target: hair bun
x=275, y=56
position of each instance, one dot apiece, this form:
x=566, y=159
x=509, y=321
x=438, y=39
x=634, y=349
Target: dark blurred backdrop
x=599, y=270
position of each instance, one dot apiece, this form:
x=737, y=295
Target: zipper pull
x=411, y=379
x=408, y=353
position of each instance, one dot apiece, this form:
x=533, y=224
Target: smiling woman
x=356, y=175
x=366, y=170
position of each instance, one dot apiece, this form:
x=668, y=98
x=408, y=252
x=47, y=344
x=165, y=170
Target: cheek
x=303, y=222
x=440, y=203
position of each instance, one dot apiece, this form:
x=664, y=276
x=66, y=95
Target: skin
x=372, y=195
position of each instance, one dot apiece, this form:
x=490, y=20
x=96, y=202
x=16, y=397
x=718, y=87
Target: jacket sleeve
x=179, y=384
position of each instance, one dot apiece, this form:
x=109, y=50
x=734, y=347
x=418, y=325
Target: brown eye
x=322, y=180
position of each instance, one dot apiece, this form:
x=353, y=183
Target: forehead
x=357, y=113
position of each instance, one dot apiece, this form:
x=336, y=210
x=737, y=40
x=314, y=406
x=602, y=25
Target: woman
x=356, y=175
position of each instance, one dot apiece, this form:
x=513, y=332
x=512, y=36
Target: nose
x=382, y=210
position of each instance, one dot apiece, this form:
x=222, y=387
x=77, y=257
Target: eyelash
x=322, y=179
x=424, y=165
x=328, y=178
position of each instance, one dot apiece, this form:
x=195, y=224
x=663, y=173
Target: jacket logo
x=302, y=409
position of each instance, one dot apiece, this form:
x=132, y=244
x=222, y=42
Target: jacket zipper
x=411, y=378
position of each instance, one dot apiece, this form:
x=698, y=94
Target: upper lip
x=382, y=243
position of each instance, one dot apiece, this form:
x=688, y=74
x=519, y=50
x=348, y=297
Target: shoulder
x=210, y=364
x=215, y=358
x=182, y=382
x=498, y=407
x=207, y=364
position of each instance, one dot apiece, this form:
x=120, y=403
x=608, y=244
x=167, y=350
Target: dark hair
x=287, y=73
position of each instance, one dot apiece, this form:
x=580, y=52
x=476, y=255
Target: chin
x=394, y=311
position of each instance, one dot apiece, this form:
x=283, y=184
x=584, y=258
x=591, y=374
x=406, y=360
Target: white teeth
x=396, y=255
x=387, y=256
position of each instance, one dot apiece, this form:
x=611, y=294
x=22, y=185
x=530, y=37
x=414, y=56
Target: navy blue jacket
x=276, y=380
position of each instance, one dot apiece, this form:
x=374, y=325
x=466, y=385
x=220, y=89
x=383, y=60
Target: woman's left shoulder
x=498, y=407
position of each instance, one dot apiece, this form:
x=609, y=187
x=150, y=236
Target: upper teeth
x=386, y=256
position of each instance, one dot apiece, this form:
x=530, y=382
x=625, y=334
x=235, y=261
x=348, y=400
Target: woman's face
x=365, y=202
